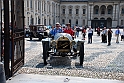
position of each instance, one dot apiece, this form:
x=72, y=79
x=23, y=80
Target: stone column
x=89, y=15
x=55, y=12
x=40, y=12
x=46, y=11
x=114, y=12
x=50, y=14
x=91, y=12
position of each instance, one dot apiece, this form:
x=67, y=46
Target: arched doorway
x=95, y=23
x=102, y=22
x=109, y=22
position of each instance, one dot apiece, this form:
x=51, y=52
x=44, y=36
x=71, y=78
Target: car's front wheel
x=45, y=53
x=30, y=38
x=81, y=53
x=40, y=38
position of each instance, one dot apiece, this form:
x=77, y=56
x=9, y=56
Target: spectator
x=77, y=31
x=83, y=33
x=102, y=36
x=105, y=35
x=122, y=35
x=90, y=34
x=98, y=31
x=109, y=36
x=117, y=32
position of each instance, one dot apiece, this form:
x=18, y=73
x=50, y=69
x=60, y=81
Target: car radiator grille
x=63, y=46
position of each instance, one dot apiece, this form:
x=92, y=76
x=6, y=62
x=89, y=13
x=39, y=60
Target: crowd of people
x=106, y=35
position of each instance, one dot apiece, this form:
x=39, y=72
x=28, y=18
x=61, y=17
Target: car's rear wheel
x=81, y=53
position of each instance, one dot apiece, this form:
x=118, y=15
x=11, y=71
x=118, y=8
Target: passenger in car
x=69, y=30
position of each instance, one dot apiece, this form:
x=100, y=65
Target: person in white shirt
x=105, y=35
x=122, y=35
x=90, y=34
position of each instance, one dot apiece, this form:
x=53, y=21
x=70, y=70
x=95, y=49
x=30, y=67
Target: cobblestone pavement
x=100, y=61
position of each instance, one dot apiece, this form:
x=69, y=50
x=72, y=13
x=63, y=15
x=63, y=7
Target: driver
x=57, y=29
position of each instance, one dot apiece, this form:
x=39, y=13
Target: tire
x=81, y=53
x=30, y=38
x=40, y=38
x=45, y=53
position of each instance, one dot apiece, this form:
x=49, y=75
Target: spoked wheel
x=81, y=53
x=45, y=53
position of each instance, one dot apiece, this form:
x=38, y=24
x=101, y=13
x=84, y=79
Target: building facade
x=109, y=13
x=41, y=12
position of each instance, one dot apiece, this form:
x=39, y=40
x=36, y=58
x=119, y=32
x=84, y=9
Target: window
x=109, y=11
x=103, y=11
x=49, y=7
x=76, y=21
x=39, y=4
x=44, y=5
x=84, y=22
x=96, y=11
x=84, y=11
x=122, y=11
x=63, y=11
x=70, y=21
x=122, y=22
x=36, y=20
x=36, y=5
x=77, y=11
x=70, y=11
x=63, y=21
x=28, y=20
x=27, y=3
x=31, y=4
x=49, y=21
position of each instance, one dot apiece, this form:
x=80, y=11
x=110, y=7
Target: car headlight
x=73, y=43
x=53, y=43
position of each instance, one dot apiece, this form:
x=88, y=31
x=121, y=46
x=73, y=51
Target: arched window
x=103, y=11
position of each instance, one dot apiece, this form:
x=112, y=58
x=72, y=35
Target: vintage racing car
x=63, y=45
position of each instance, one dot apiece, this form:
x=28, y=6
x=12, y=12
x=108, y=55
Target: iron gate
x=14, y=36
